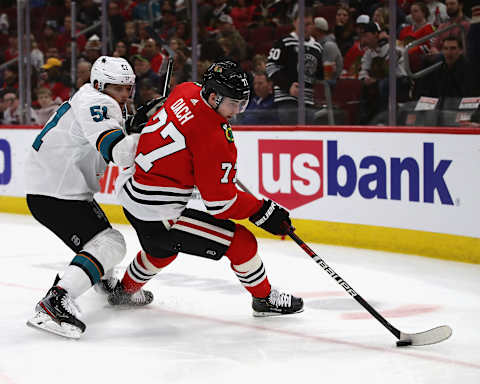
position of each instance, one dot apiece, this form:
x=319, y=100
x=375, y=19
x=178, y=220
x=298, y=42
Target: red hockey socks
x=142, y=269
x=246, y=263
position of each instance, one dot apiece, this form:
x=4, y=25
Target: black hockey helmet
x=226, y=78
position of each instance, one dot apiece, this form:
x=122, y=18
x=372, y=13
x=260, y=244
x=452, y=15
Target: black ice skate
x=276, y=303
x=57, y=313
x=106, y=286
x=121, y=297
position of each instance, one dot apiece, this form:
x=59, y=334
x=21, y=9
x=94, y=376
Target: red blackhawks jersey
x=185, y=144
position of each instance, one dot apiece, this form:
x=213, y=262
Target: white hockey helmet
x=111, y=70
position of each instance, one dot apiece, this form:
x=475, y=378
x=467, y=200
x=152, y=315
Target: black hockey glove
x=136, y=122
x=272, y=218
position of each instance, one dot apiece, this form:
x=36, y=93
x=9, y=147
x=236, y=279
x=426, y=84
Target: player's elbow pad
x=123, y=153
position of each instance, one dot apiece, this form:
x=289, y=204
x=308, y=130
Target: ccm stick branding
x=293, y=173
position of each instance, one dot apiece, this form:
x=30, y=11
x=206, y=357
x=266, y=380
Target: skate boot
x=120, y=296
x=106, y=286
x=57, y=313
x=276, y=303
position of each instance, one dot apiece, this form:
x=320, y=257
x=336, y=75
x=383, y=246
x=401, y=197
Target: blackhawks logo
x=228, y=132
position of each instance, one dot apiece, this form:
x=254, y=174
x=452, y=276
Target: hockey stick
x=171, y=54
x=168, y=76
x=432, y=336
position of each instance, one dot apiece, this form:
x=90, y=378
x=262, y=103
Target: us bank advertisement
x=415, y=181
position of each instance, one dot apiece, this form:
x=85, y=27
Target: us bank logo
x=291, y=171
x=294, y=173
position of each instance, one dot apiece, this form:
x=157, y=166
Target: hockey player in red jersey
x=188, y=143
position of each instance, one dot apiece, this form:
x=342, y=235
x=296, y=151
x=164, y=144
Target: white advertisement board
x=419, y=181
x=414, y=181
x=14, y=147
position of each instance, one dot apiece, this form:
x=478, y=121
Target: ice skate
x=57, y=313
x=276, y=303
x=106, y=286
x=120, y=296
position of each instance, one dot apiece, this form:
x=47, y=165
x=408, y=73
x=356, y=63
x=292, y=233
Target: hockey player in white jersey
x=63, y=169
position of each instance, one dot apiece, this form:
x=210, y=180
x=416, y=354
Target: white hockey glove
x=123, y=153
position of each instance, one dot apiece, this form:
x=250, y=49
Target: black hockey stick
x=135, y=123
x=171, y=54
x=168, y=76
x=432, y=336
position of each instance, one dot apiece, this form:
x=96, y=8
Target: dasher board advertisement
x=14, y=147
x=419, y=181
x=416, y=181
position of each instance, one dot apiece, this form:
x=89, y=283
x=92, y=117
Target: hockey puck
x=403, y=343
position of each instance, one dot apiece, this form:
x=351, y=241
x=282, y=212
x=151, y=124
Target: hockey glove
x=272, y=218
x=136, y=122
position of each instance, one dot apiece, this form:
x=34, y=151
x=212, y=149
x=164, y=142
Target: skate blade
x=270, y=314
x=45, y=323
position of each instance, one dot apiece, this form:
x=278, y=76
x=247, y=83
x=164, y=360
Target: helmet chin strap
x=218, y=101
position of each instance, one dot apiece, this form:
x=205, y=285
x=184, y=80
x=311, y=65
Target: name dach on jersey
x=186, y=144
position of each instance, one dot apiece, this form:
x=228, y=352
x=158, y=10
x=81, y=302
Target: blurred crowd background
x=354, y=35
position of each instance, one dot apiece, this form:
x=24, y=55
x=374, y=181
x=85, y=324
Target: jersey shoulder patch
x=228, y=131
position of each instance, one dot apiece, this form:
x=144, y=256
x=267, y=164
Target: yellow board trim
x=430, y=244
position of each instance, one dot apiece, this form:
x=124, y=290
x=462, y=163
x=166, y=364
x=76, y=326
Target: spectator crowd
x=346, y=52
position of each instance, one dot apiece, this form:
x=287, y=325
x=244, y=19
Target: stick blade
x=432, y=336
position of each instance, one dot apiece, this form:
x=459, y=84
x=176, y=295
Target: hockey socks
x=253, y=277
x=246, y=263
x=83, y=272
x=142, y=269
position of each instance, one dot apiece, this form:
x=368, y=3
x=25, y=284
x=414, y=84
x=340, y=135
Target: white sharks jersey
x=70, y=154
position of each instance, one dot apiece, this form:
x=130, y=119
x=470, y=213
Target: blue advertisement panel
x=5, y=162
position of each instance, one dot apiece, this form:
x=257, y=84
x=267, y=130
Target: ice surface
x=199, y=328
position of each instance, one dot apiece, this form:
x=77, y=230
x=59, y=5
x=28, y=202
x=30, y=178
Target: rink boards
x=397, y=189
